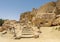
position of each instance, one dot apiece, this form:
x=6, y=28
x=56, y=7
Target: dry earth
x=48, y=35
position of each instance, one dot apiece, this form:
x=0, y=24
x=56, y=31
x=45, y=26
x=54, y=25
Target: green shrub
x=1, y=22
x=58, y=28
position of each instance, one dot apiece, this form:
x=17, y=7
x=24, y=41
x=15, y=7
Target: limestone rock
x=47, y=8
x=8, y=24
x=42, y=16
x=56, y=22
x=26, y=17
x=44, y=20
x=58, y=4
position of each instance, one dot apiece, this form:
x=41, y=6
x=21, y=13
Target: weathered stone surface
x=8, y=24
x=56, y=22
x=44, y=20
x=58, y=4
x=26, y=17
x=47, y=8
x=42, y=16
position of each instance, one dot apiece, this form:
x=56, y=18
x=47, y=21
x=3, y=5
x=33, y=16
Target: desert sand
x=49, y=34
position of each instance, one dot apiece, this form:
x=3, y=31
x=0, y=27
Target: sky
x=12, y=9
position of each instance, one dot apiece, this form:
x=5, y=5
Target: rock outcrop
x=45, y=19
x=47, y=8
x=43, y=16
x=56, y=22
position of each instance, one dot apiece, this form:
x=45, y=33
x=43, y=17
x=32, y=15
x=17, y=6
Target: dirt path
x=47, y=35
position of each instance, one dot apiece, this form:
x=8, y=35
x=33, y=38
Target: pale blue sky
x=11, y=9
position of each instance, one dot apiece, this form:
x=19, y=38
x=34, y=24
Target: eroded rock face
x=56, y=22
x=58, y=4
x=26, y=17
x=44, y=20
x=47, y=8
x=42, y=16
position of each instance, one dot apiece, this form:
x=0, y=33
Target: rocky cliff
x=46, y=15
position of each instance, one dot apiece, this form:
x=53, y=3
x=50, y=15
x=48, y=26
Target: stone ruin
x=30, y=22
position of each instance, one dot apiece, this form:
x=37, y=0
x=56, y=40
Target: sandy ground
x=48, y=35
